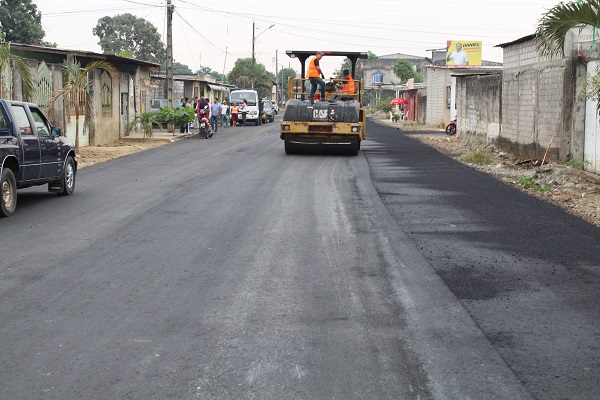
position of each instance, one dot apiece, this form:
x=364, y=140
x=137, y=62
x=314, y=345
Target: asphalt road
x=223, y=268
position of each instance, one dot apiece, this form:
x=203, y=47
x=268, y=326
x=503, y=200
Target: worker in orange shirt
x=316, y=76
x=349, y=86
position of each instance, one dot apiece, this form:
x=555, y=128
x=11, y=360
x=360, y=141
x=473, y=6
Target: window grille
x=43, y=89
x=106, y=92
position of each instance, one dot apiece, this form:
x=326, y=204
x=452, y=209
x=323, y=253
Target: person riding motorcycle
x=202, y=117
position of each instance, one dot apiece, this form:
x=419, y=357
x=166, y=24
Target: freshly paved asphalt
x=526, y=271
x=223, y=268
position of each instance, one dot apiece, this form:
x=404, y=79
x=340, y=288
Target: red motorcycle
x=451, y=128
x=204, y=128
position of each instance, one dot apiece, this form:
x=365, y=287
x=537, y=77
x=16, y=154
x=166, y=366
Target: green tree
x=211, y=72
x=21, y=22
x=360, y=63
x=404, y=70
x=75, y=92
x=247, y=75
x=284, y=74
x=130, y=33
x=125, y=54
x=8, y=61
x=179, y=68
x=555, y=23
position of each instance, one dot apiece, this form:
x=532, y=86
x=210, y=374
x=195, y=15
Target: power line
x=195, y=30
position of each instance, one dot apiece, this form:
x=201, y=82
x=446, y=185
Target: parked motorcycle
x=204, y=128
x=451, y=128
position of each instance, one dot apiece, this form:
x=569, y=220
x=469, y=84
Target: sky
x=215, y=34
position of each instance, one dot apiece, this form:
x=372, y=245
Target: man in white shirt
x=458, y=57
x=225, y=119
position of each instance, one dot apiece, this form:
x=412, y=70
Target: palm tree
x=552, y=31
x=147, y=120
x=556, y=23
x=75, y=92
x=7, y=62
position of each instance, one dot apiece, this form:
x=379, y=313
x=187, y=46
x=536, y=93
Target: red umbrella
x=397, y=101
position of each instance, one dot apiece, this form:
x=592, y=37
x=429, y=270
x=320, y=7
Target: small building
x=442, y=91
x=190, y=86
x=116, y=99
x=379, y=76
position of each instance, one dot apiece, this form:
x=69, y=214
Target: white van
x=254, y=106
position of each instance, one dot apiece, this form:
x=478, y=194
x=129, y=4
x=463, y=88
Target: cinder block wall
x=537, y=99
x=478, y=109
x=437, y=96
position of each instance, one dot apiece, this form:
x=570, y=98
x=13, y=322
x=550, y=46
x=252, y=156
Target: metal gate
x=591, y=143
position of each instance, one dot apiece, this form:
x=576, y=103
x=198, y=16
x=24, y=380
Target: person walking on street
x=215, y=114
x=316, y=76
x=244, y=111
x=195, y=106
x=225, y=119
x=187, y=104
x=234, y=114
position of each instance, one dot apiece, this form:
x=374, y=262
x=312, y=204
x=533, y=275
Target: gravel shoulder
x=575, y=190
x=93, y=155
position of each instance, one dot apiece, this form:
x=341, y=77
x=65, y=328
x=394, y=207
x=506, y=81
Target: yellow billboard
x=463, y=53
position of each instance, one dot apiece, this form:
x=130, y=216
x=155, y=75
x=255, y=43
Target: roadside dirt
x=93, y=155
x=575, y=190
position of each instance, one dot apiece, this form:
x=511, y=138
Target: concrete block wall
x=478, y=106
x=536, y=108
x=178, y=92
x=437, y=96
x=522, y=55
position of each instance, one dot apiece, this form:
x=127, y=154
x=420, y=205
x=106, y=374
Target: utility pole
x=170, y=53
x=224, y=62
x=254, y=39
x=253, y=58
x=276, y=78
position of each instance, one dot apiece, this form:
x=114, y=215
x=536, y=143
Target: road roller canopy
x=302, y=56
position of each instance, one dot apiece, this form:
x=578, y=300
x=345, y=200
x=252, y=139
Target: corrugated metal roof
x=521, y=40
x=90, y=54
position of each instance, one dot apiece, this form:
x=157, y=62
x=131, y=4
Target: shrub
x=146, y=120
x=176, y=116
x=478, y=157
x=577, y=163
x=529, y=182
x=384, y=105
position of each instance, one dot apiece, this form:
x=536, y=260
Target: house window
x=106, y=90
x=378, y=77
